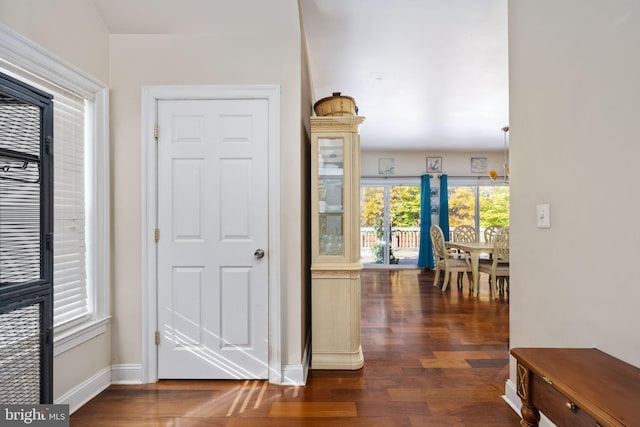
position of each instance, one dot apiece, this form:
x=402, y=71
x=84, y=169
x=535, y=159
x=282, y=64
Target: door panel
x=236, y=191
x=187, y=193
x=186, y=287
x=212, y=216
x=236, y=312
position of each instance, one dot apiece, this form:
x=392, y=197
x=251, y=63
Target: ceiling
x=223, y=17
x=428, y=75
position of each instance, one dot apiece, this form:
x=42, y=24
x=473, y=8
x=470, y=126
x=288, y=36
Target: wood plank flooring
x=431, y=359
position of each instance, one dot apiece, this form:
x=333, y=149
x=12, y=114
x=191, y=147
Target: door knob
x=259, y=253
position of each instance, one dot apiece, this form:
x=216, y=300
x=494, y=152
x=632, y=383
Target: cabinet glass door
x=330, y=196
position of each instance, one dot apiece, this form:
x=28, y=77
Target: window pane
x=405, y=224
x=462, y=206
x=494, y=206
x=372, y=225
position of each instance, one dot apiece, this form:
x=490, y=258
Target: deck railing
x=401, y=237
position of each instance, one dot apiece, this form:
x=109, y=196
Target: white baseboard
x=511, y=396
x=297, y=374
x=87, y=390
x=293, y=375
x=512, y=399
x=126, y=374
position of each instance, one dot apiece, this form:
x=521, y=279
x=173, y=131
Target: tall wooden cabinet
x=335, y=261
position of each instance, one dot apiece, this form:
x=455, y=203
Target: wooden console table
x=577, y=387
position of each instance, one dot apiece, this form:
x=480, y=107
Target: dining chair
x=465, y=233
x=490, y=232
x=498, y=269
x=446, y=260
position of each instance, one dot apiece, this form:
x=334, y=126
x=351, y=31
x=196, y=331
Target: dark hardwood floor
x=431, y=359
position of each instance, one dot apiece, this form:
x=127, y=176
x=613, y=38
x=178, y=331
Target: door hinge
x=156, y=234
x=157, y=337
x=155, y=131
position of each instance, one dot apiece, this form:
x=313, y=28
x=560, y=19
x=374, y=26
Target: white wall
x=73, y=31
x=575, y=144
x=206, y=59
x=70, y=29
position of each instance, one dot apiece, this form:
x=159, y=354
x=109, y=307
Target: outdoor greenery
x=371, y=207
x=461, y=206
x=494, y=206
x=404, y=204
x=405, y=210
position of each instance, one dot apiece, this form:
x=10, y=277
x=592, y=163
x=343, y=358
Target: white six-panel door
x=213, y=223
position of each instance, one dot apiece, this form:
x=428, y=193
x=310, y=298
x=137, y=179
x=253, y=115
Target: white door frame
x=150, y=95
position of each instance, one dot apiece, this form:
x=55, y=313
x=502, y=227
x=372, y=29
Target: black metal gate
x=26, y=240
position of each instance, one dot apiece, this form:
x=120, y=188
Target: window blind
x=69, y=249
x=70, y=288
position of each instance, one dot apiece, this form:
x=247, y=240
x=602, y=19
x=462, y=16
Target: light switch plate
x=543, y=215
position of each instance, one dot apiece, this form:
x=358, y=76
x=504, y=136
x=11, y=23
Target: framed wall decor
x=434, y=164
x=478, y=165
x=386, y=166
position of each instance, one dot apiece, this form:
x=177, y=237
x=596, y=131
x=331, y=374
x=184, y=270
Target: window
x=81, y=237
x=71, y=304
x=479, y=203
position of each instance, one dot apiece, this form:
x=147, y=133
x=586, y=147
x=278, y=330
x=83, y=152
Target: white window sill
x=75, y=336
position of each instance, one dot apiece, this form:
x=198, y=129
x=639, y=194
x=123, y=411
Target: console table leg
x=530, y=415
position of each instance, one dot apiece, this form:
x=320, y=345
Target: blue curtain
x=425, y=254
x=444, y=206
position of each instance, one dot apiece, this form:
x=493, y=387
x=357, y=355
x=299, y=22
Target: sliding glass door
x=390, y=222
x=478, y=203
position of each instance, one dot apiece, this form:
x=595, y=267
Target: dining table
x=474, y=249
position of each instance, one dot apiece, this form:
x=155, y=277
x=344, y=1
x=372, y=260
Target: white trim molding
x=512, y=399
x=70, y=338
x=85, y=391
x=150, y=95
x=127, y=374
x=21, y=51
x=511, y=396
x=90, y=388
x=294, y=375
x=297, y=374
